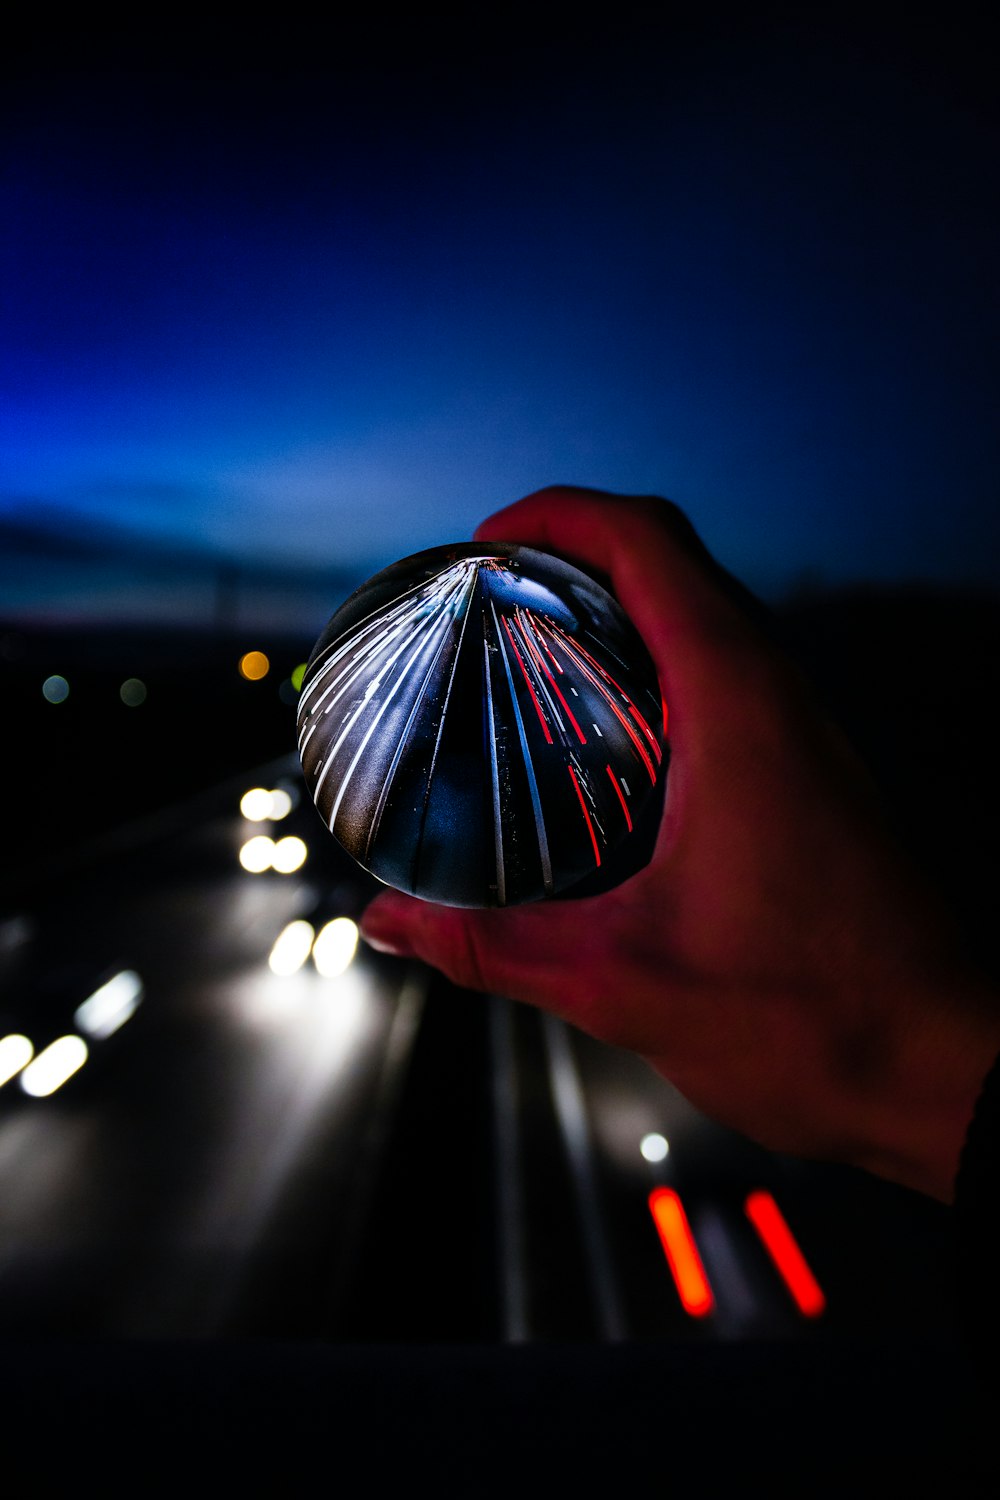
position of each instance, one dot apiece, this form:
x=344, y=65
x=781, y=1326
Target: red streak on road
x=681, y=1252
x=779, y=1242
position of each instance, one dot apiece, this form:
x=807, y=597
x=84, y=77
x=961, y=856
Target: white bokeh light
x=257, y=854
x=255, y=805
x=51, y=1068
x=291, y=948
x=335, y=947
x=289, y=854
x=654, y=1146
x=15, y=1053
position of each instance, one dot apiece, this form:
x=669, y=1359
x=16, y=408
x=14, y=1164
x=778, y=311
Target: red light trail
x=681, y=1251
x=586, y=814
x=621, y=797
x=779, y=1242
x=524, y=670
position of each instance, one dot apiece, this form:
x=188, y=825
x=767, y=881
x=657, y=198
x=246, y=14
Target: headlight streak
x=53, y=1066
x=110, y=1007
x=16, y=1052
x=421, y=759
x=291, y=948
x=681, y=1252
x=335, y=947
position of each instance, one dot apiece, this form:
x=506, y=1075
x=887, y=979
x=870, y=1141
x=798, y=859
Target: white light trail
x=335, y=947
x=291, y=948
x=51, y=1068
x=110, y=1006
x=15, y=1053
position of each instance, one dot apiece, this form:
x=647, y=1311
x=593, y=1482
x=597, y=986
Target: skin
x=778, y=960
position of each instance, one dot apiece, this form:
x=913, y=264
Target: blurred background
x=281, y=303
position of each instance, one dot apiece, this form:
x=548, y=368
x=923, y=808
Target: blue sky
x=329, y=314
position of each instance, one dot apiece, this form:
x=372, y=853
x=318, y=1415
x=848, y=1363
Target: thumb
x=521, y=952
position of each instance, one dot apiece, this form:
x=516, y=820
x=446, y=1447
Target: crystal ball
x=481, y=725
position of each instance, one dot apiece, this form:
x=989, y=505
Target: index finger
x=684, y=605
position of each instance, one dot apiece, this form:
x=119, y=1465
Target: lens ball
x=481, y=725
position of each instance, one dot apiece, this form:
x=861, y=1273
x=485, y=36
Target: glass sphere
x=481, y=725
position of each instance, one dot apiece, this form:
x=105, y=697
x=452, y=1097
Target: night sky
x=325, y=298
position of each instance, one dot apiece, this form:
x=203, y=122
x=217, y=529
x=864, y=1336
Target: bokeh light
x=291, y=948
x=254, y=665
x=289, y=855
x=654, y=1146
x=15, y=1053
x=257, y=854
x=335, y=947
x=51, y=1068
x=132, y=692
x=258, y=805
x=281, y=804
x=255, y=805
x=55, y=689
x=110, y=1006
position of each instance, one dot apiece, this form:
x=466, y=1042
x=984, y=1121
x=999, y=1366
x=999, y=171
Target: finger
x=708, y=648
x=661, y=571
x=549, y=954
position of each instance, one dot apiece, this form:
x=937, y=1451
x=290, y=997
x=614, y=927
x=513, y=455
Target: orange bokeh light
x=254, y=665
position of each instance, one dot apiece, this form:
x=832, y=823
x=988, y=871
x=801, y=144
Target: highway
x=368, y=1159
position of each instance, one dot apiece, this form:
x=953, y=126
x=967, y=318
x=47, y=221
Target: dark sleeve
x=977, y=1231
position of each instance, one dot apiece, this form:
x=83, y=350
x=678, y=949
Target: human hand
x=777, y=960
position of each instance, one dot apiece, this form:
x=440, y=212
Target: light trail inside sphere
x=531, y=690
x=617, y=711
x=536, y=801
x=586, y=814
x=621, y=797
x=555, y=686
x=395, y=701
